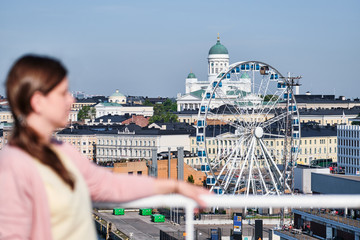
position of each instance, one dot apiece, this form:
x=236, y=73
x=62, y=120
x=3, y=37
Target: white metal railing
x=226, y=201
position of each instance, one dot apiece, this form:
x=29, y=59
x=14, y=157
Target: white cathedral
x=218, y=60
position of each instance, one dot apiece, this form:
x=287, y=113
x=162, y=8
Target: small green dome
x=244, y=75
x=191, y=75
x=218, y=48
x=117, y=94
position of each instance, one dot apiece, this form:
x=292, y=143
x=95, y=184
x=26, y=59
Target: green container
x=118, y=211
x=145, y=211
x=157, y=218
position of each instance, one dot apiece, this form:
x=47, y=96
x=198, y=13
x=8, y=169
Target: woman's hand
x=164, y=186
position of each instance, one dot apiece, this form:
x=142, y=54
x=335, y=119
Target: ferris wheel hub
x=259, y=132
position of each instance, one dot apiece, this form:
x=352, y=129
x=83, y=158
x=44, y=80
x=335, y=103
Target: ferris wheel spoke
x=274, y=120
x=261, y=177
x=268, y=109
x=272, y=104
x=251, y=151
x=224, y=98
x=246, y=160
x=228, y=165
x=273, y=170
x=274, y=135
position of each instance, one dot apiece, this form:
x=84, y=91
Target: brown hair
x=29, y=74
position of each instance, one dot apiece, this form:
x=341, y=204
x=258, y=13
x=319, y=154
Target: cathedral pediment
x=188, y=97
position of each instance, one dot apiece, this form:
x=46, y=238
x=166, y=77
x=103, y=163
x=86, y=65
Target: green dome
x=117, y=94
x=191, y=75
x=244, y=75
x=218, y=48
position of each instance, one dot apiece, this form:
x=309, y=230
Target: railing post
x=154, y=163
x=189, y=214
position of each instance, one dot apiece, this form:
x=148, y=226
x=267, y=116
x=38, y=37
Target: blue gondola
x=208, y=95
x=296, y=135
x=220, y=84
x=201, y=123
x=281, y=85
x=205, y=168
x=294, y=149
x=202, y=109
x=237, y=69
x=200, y=138
x=286, y=95
x=257, y=67
x=295, y=121
x=218, y=190
x=210, y=180
x=247, y=66
x=228, y=75
x=233, y=71
x=242, y=66
x=214, y=84
x=292, y=108
x=202, y=153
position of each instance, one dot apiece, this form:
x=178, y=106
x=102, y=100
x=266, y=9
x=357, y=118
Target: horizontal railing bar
x=230, y=201
x=294, y=201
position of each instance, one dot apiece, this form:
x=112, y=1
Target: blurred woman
x=46, y=186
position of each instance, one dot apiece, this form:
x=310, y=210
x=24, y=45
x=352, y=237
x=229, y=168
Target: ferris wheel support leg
x=265, y=152
x=251, y=165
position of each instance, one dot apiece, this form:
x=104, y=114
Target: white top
x=70, y=209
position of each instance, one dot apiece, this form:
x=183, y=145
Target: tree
x=356, y=122
x=191, y=179
x=86, y=112
x=164, y=112
x=270, y=97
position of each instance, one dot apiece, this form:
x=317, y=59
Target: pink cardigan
x=24, y=211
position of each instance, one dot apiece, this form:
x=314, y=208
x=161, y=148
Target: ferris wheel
x=250, y=112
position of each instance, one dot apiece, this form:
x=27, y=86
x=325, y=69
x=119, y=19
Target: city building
x=82, y=139
x=162, y=171
x=308, y=101
x=349, y=148
x=218, y=60
x=6, y=115
x=317, y=142
x=322, y=116
x=125, y=119
x=117, y=97
x=321, y=223
x=113, y=108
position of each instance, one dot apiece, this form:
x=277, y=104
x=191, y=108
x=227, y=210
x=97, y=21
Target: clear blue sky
x=148, y=47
